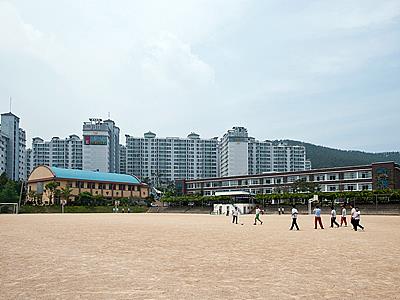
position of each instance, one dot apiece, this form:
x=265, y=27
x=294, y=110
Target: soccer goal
x=8, y=208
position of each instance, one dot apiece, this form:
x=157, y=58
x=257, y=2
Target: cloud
x=170, y=62
x=15, y=34
x=231, y=61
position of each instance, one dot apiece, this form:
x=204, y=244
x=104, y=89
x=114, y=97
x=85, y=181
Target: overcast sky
x=326, y=72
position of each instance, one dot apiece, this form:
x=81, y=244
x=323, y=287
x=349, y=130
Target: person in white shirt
x=356, y=224
x=353, y=210
x=343, y=218
x=257, y=218
x=294, y=217
x=317, y=217
x=333, y=217
x=235, y=214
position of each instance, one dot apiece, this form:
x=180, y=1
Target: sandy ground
x=172, y=256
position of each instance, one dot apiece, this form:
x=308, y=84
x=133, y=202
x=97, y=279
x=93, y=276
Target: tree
x=85, y=198
x=50, y=189
x=3, y=179
x=31, y=197
x=8, y=193
x=305, y=186
x=99, y=200
x=66, y=193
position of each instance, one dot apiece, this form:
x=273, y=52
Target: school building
x=108, y=185
x=376, y=176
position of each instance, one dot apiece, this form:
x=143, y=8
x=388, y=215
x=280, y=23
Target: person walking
x=235, y=214
x=317, y=217
x=343, y=218
x=357, y=215
x=257, y=218
x=294, y=217
x=333, y=217
x=352, y=212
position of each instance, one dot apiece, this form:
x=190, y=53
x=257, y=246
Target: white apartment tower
x=163, y=160
x=101, y=146
x=244, y=155
x=12, y=147
x=63, y=153
x=233, y=152
x=270, y=156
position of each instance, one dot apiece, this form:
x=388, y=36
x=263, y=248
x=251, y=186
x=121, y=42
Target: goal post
x=9, y=208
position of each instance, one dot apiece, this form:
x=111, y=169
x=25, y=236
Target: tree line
x=380, y=196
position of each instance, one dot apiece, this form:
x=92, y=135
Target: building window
x=350, y=175
x=365, y=174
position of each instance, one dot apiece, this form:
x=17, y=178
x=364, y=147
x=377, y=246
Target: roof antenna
x=10, y=103
x=109, y=115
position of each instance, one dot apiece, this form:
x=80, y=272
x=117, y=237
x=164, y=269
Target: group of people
x=355, y=217
x=235, y=214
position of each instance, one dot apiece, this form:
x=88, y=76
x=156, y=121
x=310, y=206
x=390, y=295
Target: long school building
x=376, y=176
x=108, y=185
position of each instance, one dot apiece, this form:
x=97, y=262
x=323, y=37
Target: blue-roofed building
x=108, y=185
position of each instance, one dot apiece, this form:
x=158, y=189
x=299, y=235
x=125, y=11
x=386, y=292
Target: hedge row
x=366, y=196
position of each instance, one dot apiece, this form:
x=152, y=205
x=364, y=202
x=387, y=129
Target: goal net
x=8, y=208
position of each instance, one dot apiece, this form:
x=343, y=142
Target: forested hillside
x=322, y=157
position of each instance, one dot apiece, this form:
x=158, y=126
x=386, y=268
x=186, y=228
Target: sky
x=325, y=72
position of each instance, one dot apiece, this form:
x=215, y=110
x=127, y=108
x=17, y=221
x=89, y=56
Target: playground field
x=182, y=256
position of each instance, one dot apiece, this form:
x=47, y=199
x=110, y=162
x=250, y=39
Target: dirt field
x=169, y=256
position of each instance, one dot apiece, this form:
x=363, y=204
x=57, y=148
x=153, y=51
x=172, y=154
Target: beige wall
x=40, y=173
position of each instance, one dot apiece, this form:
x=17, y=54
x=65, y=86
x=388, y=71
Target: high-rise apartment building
x=62, y=153
x=275, y=157
x=101, y=146
x=244, y=155
x=122, y=159
x=166, y=159
x=13, y=147
x=233, y=152
x=3, y=153
x=29, y=162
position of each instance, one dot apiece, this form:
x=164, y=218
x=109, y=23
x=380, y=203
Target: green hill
x=324, y=157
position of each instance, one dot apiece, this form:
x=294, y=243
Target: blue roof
x=93, y=176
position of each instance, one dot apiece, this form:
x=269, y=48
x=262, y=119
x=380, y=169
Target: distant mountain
x=324, y=157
